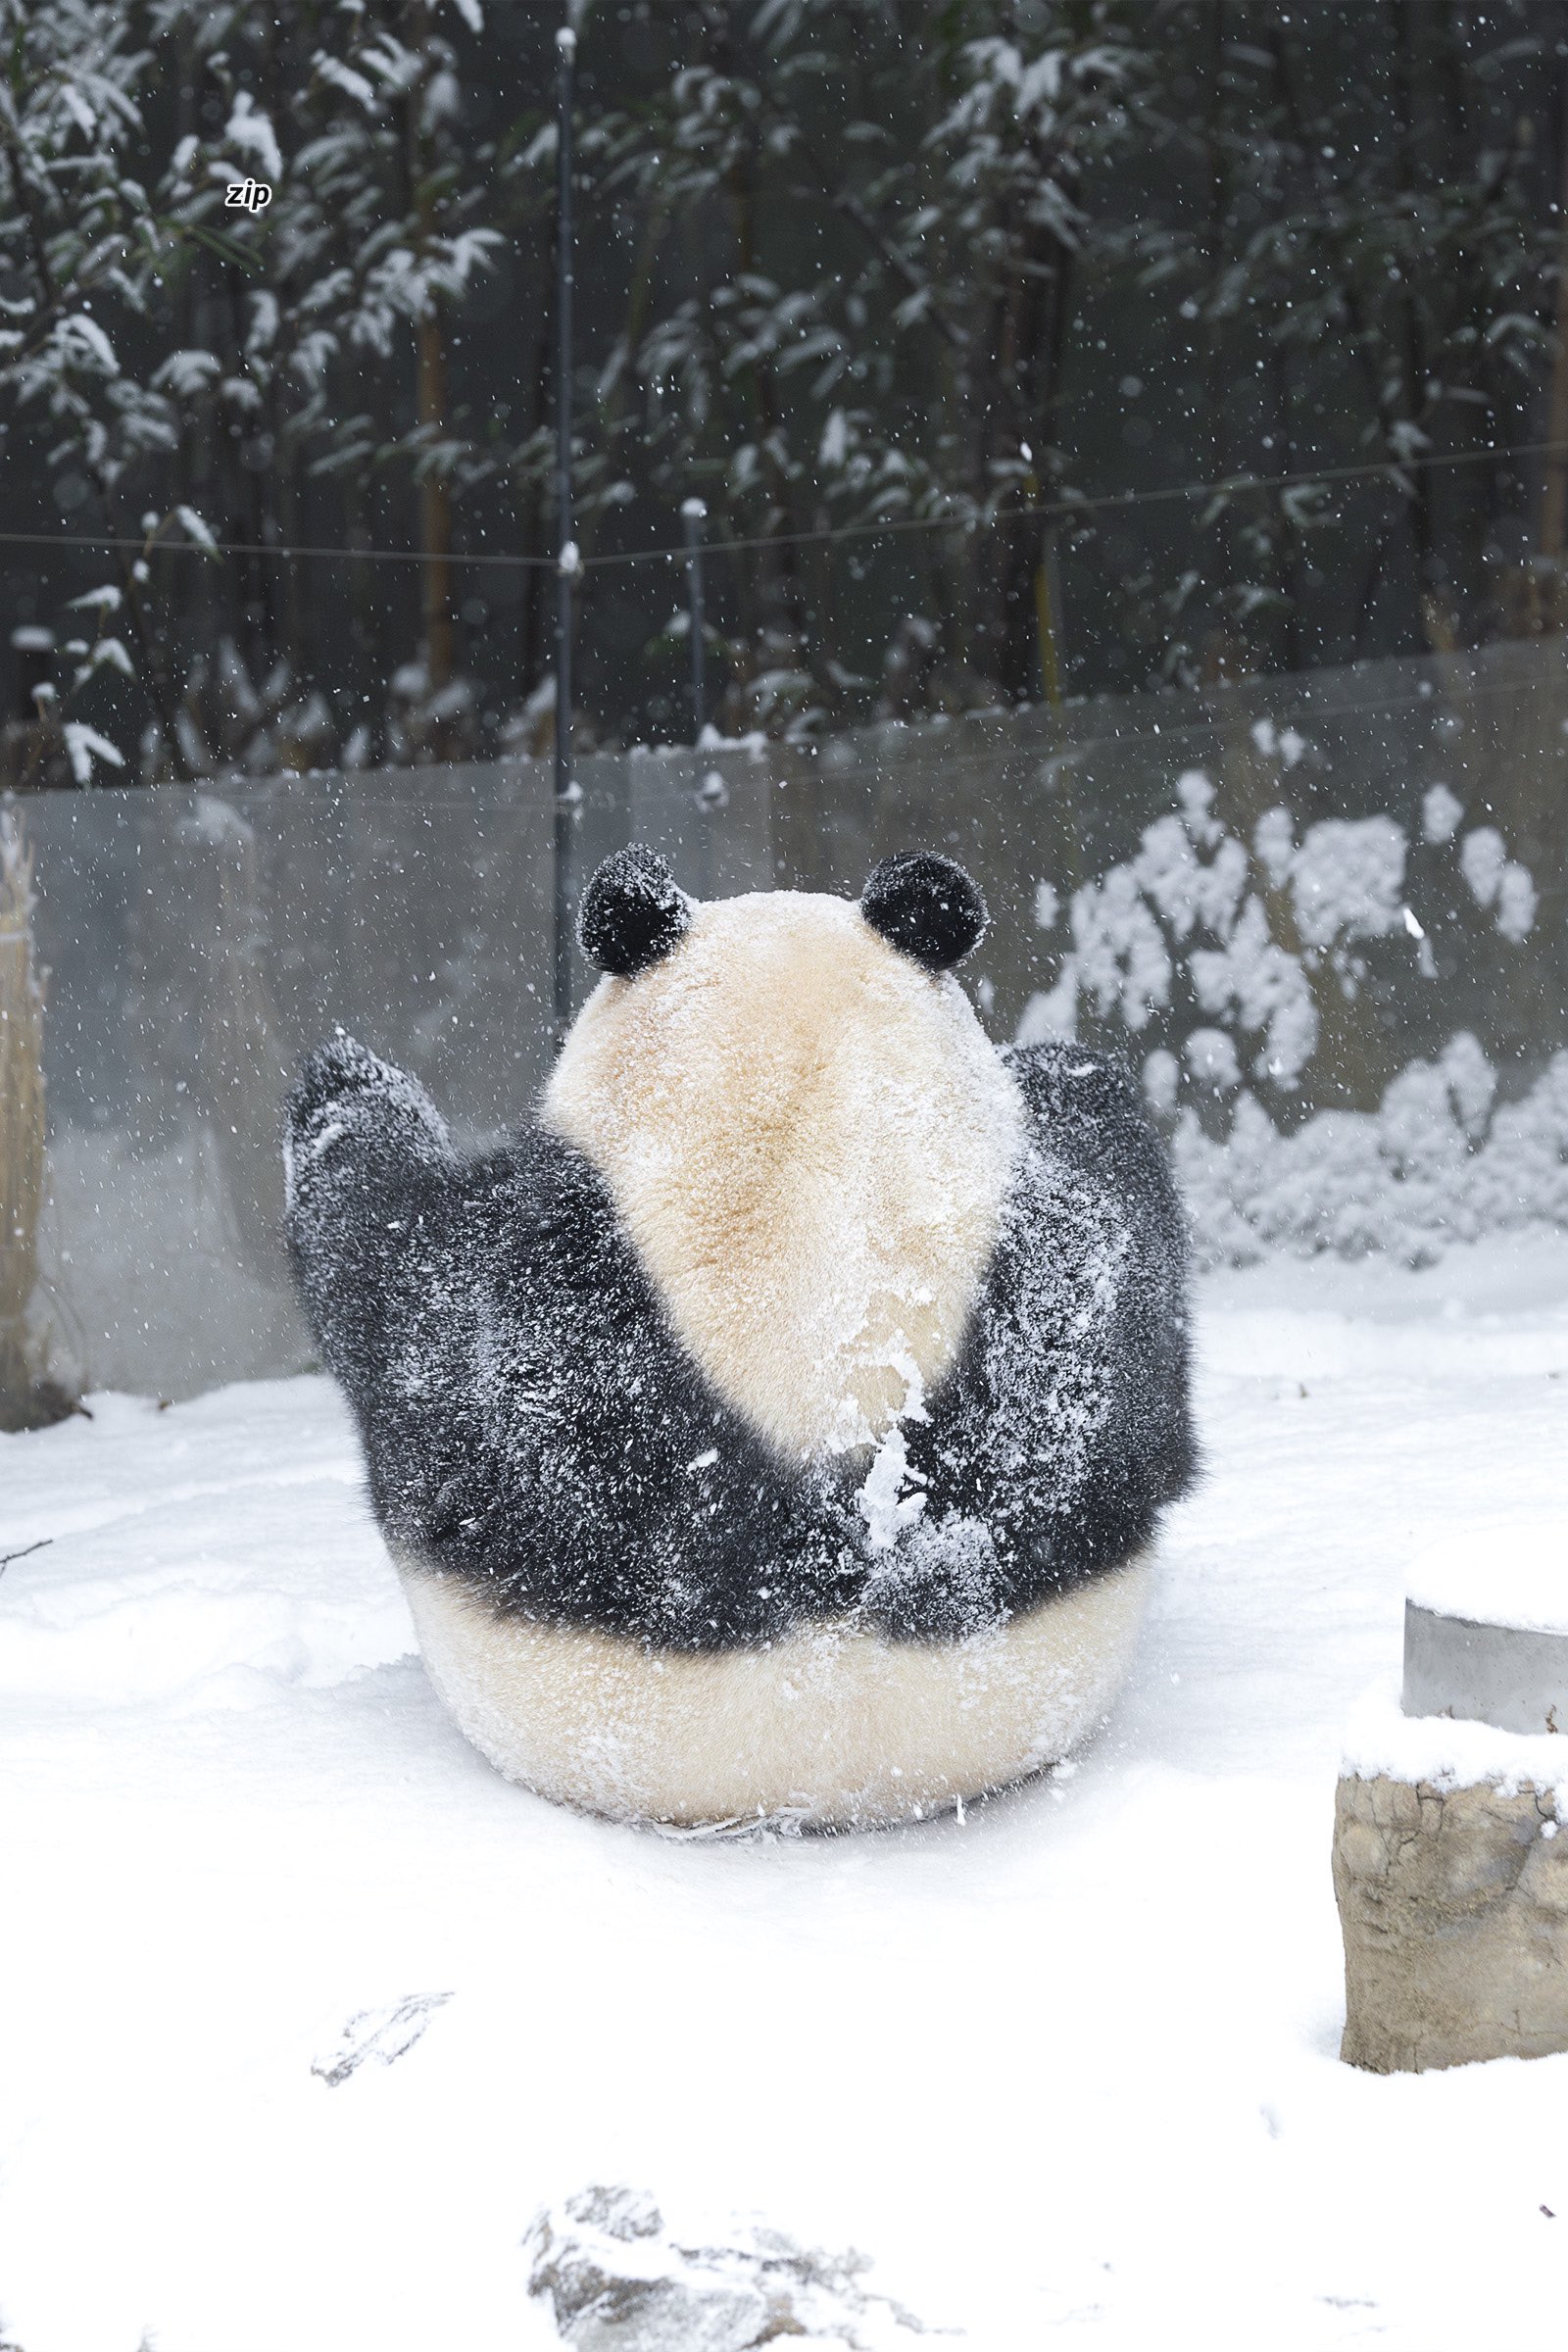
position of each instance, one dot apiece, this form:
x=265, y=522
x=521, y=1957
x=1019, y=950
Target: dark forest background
x=840, y=263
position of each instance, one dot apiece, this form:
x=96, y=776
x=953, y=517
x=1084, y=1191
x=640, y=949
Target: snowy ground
x=1068, y=2070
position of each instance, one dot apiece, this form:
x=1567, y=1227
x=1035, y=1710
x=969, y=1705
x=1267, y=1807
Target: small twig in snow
x=384, y=2034
x=5, y=1564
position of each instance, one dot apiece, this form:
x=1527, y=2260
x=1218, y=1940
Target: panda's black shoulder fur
x=532, y=1426
x=1065, y=1427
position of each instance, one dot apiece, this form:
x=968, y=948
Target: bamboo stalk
x=1554, y=489
x=435, y=511
x=22, y=1119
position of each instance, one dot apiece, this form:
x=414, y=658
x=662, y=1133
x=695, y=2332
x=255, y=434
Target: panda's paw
x=343, y=1093
x=333, y=1071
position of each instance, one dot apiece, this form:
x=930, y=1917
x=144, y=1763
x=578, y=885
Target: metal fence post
x=693, y=514
x=569, y=562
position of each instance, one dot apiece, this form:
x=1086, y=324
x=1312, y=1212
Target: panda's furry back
x=536, y=1433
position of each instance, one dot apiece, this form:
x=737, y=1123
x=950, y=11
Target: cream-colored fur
x=809, y=1140
x=833, y=1725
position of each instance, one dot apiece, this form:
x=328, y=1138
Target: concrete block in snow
x=1453, y=1900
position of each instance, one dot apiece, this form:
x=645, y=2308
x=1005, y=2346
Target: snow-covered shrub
x=1251, y=980
x=1273, y=940
x=1435, y=1164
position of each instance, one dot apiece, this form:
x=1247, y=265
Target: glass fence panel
x=1278, y=896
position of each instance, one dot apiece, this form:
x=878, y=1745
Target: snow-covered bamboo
x=22, y=1117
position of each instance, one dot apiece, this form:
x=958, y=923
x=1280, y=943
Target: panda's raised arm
x=365, y=1153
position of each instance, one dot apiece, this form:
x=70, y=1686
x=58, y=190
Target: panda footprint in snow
x=779, y=1425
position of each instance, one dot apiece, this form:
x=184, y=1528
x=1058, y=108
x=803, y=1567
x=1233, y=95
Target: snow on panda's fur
x=779, y=1424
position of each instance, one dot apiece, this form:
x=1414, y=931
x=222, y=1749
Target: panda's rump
x=834, y=1725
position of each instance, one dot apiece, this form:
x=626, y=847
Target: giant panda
x=777, y=1427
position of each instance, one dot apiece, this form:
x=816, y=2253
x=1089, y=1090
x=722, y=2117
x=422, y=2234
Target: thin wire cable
x=283, y=550
x=1107, y=502
x=1234, y=485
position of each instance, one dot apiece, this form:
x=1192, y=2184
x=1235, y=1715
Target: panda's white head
x=803, y=1128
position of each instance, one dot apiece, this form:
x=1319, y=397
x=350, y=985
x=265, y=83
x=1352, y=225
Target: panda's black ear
x=926, y=905
x=632, y=914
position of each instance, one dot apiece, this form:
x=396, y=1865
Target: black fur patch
x=1063, y=1429
x=532, y=1427
x=632, y=913
x=927, y=906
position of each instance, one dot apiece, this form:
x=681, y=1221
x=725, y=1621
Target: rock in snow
x=619, y=2281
